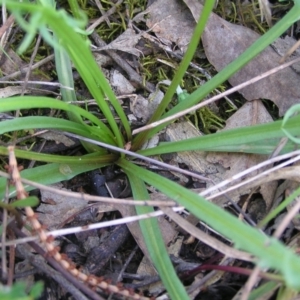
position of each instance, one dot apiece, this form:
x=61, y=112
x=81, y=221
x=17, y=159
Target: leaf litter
x=173, y=22
x=223, y=42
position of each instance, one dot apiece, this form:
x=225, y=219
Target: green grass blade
x=154, y=240
x=208, y=6
x=252, y=139
x=259, y=45
x=269, y=251
x=29, y=201
x=82, y=58
x=94, y=158
x=27, y=102
x=77, y=13
x=50, y=174
x=65, y=77
x=265, y=289
x=47, y=123
x=276, y=211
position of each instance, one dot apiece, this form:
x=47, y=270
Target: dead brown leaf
x=251, y=113
x=13, y=63
x=61, y=208
x=172, y=22
x=126, y=42
x=144, y=108
x=221, y=166
x=11, y=91
x=224, y=42
x=57, y=137
x=167, y=230
x=120, y=84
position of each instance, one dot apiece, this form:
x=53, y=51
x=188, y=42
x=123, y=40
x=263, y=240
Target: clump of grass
x=105, y=142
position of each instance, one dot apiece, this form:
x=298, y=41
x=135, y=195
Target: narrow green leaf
x=276, y=211
x=26, y=123
x=252, y=139
x=65, y=77
x=36, y=290
x=293, y=110
x=76, y=11
x=29, y=201
x=50, y=174
x=265, y=289
x=93, y=158
x=259, y=45
x=154, y=240
x=208, y=6
x=78, y=49
x=29, y=102
x=269, y=251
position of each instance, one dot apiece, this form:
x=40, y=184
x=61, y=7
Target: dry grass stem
x=215, y=98
x=104, y=16
x=251, y=282
x=285, y=173
x=205, y=238
x=35, y=66
x=136, y=155
x=287, y=219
